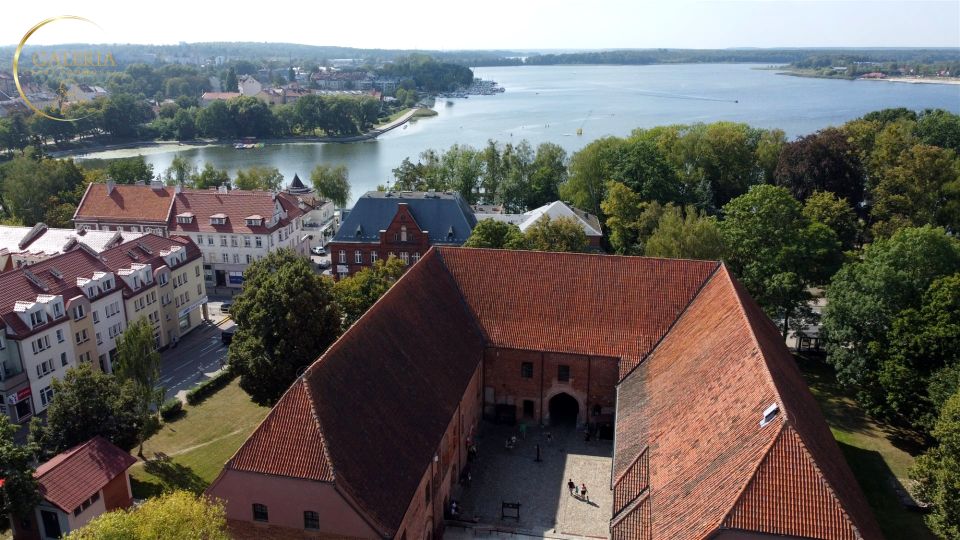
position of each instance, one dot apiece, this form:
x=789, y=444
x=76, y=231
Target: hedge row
x=171, y=409
x=209, y=387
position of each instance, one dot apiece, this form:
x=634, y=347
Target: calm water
x=549, y=103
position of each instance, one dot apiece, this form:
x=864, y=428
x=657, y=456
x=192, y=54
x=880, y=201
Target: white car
x=318, y=250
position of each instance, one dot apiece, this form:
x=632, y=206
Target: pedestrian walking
x=571, y=486
x=576, y=491
x=583, y=493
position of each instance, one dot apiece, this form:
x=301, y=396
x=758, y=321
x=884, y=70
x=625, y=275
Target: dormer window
x=136, y=282
x=254, y=221
x=186, y=217
x=91, y=292
x=37, y=318
x=57, y=310
x=107, y=284
x=218, y=219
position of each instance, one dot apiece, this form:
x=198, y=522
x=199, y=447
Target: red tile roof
x=585, y=304
x=72, y=477
x=126, y=203
x=691, y=457
x=128, y=253
x=705, y=451
x=236, y=205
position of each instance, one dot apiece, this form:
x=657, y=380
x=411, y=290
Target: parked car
x=325, y=263
x=225, y=307
x=227, y=331
x=318, y=250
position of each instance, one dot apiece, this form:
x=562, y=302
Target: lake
x=549, y=103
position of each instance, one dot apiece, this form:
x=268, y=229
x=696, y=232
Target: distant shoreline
x=905, y=80
x=203, y=143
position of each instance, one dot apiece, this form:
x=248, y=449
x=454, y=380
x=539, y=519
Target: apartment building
x=232, y=228
x=72, y=308
x=21, y=246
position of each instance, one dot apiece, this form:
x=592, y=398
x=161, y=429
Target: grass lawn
x=876, y=453
x=394, y=116
x=189, y=452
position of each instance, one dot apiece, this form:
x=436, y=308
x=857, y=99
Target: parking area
x=513, y=475
x=196, y=358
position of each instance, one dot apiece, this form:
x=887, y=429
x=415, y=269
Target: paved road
x=198, y=356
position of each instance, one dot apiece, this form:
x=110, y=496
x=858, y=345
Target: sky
x=501, y=24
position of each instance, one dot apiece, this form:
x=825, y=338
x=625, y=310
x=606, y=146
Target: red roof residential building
x=77, y=486
x=717, y=435
x=232, y=227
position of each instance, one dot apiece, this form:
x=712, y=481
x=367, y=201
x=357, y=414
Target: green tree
x=251, y=117
x=209, y=177
x=775, y=251
x=178, y=514
x=517, y=166
x=29, y=182
x=561, y=234
x=490, y=233
x=685, y=233
x=332, y=183
x=922, y=349
x=215, y=121
x=938, y=472
x=547, y=172
x=834, y=212
x=258, y=177
x=460, y=167
x=180, y=172
x=20, y=491
x=286, y=317
x=589, y=171
x=88, y=403
x=123, y=114
x=184, y=124
x=922, y=188
x=865, y=296
x=230, y=83
x=938, y=127
x=355, y=294
x=130, y=170
x=139, y=362
x=630, y=220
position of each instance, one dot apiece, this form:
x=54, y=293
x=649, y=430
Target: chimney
x=178, y=189
x=223, y=189
x=156, y=185
x=110, y=185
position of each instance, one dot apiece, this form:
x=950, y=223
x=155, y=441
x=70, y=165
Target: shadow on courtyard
x=501, y=474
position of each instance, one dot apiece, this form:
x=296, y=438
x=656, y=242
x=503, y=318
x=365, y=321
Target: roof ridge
x=756, y=342
x=676, y=320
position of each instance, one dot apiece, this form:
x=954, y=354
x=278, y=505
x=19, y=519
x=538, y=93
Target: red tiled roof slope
x=288, y=442
x=236, y=204
x=72, y=477
x=786, y=492
x=805, y=417
x=134, y=203
x=575, y=303
x=385, y=392
x=704, y=450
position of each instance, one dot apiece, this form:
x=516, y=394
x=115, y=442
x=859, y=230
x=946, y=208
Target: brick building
x=400, y=223
x=716, y=433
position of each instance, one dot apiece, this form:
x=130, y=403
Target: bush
x=171, y=409
x=209, y=387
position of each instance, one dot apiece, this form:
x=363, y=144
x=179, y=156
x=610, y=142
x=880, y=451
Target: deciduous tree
x=138, y=361
x=823, y=161
x=178, y=514
x=938, y=472
x=332, y=183
x=129, y=170
x=355, y=294
x=258, y=177
x=561, y=234
x=834, y=212
x=490, y=233
x=685, y=233
x=20, y=491
x=286, y=317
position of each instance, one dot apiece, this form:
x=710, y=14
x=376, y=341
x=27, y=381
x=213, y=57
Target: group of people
x=579, y=492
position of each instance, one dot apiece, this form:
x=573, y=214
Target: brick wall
x=591, y=381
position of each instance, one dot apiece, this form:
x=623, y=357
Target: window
x=63, y=359
x=236, y=258
x=210, y=240
x=96, y=316
x=260, y=512
x=416, y=257
x=563, y=373
x=45, y=368
x=45, y=396
x=403, y=233
x=58, y=309
x=199, y=239
x=526, y=370
x=136, y=282
x=81, y=336
x=223, y=240
x=343, y=257
x=196, y=271
x=311, y=519
x=233, y=241
x=99, y=339
x=164, y=279
x=405, y=257
x=373, y=257
x=246, y=241
x=258, y=241
x=249, y=258
x=107, y=285
x=358, y=257
x=199, y=289
x=37, y=318
x=226, y=257
x=59, y=336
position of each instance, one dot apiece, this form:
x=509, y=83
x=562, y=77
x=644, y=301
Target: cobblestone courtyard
x=546, y=506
